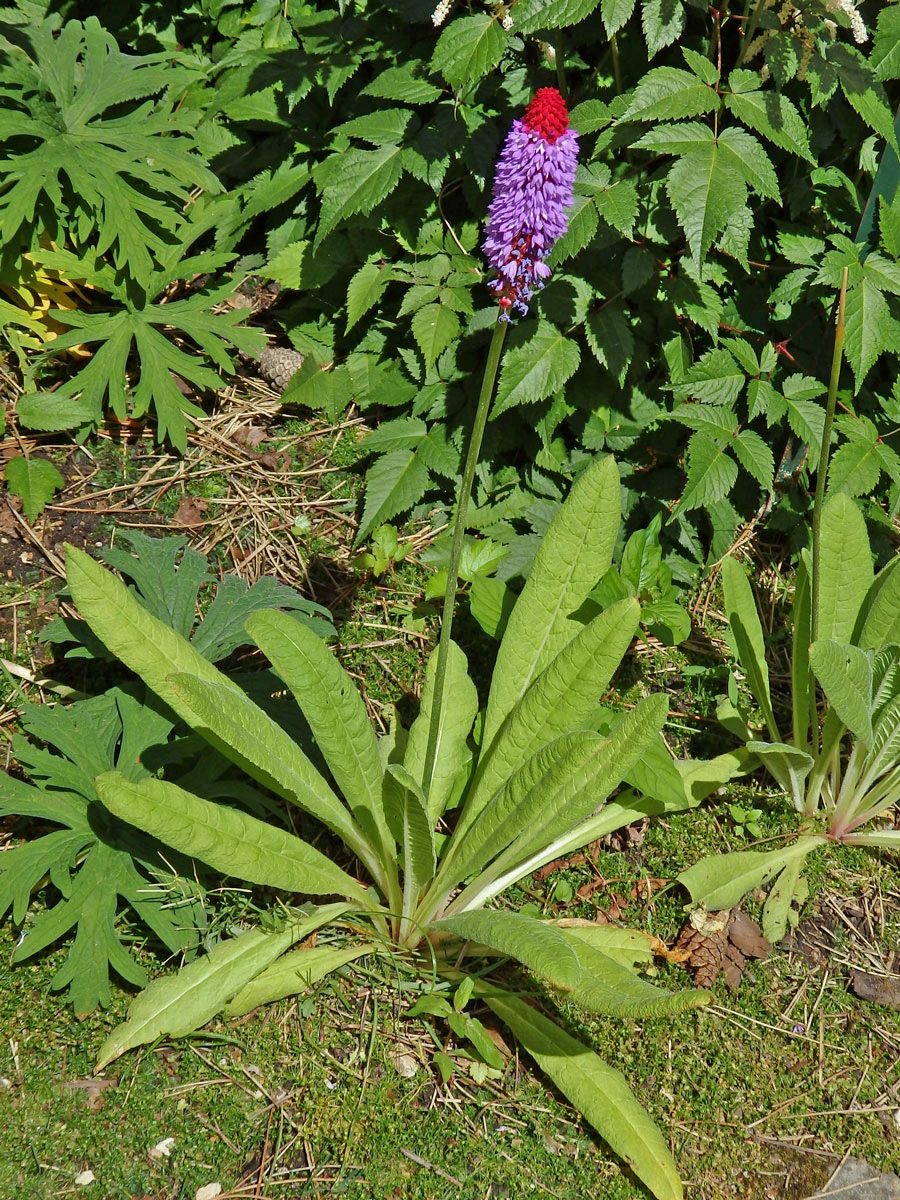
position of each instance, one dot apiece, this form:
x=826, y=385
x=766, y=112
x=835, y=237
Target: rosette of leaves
x=532, y=788
x=840, y=770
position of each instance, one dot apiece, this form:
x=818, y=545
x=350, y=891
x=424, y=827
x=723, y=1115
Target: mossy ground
x=760, y=1094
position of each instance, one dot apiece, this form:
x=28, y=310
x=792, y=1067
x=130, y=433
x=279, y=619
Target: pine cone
x=704, y=942
x=278, y=365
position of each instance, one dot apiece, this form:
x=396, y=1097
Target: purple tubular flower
x=532, y=191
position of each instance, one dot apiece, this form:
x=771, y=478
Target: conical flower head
x=532, y=191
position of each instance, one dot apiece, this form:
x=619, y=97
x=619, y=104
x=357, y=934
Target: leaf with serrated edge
x=434, y=327
x=536, y=369
x=33, y=480
x=394, y=483
x=362, y=179
x=469, y=48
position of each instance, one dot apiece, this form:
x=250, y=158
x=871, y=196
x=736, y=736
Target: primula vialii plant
x=839, y=760
x=439, y=819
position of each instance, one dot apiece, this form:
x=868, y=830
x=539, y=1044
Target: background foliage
x=346, y=153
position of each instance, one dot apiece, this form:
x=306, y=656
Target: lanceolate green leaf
x=538, y=945
x=606, y=986
x=559, y=700
x=845, y=568
x=880, y=613
x=395, y=481
x=292, y=974
x=722, y=880
x=574, y=555
x=335, y=712
x=226, y=839
x=744, y=623
x=845, y=673
x=458, y=712
x=249, y=737
x=149, y=647
x=599, y=1093
x=175, y=1005
x=706, y=188
x=572, y=799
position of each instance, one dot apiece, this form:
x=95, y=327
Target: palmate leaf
x=91, y=862
x=129, y=174
x=598, y=1092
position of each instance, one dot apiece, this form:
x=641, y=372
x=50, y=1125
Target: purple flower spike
x=532, y=190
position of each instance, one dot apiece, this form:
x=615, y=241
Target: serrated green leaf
x=755, y=456
x=870, y=327
x=615, y=13
x=48, y=412
x=469, y=48
x=360, y=180
x=706, y=187
x=34, y=481
x=387, y=126
x=618, y=206
x=610, y=338
x=885, y=57
x=669, y=93
x=774, y=116
x=536, y=369
x=855, y=468
x=365, y=289
x=663, y=22
x=711, y=474
x=750, y=160
x=715, y=379
x=531, y=15
x=434, y=327
x=394, y=482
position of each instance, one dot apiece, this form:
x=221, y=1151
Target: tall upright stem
x=459, y=530
x=822, y=470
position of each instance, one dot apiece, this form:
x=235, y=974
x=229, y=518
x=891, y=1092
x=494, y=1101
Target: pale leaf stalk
x=459, y=529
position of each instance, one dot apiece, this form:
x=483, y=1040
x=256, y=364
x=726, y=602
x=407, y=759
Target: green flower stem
x=822, y=470
x=459, y=529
